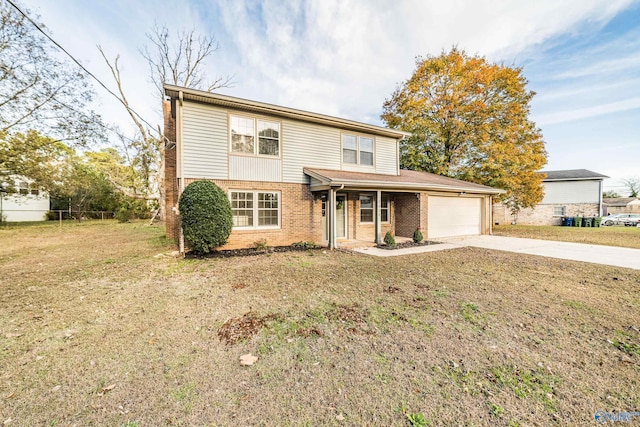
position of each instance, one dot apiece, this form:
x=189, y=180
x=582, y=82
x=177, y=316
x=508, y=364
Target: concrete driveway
x=607, y=255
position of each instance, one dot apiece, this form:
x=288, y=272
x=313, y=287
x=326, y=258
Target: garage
x=454, y=216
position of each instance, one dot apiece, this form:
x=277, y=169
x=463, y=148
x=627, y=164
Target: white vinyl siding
x=565, y=192
x=386, y=155
x=308, y=145
x=453, y=216
x=247, y=168
x=204, y=142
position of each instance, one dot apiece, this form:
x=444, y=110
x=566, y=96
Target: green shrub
x=261, y=245
x=123, y=214
x=417, y=236
x=389, y=240
x=206, y=216
x=305, y=245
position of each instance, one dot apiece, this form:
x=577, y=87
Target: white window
x=23, y=188
x=366, y=209
x=247, y=206
x=357, y=150
x=384, y=209
x=559, y=211
x=243, y=136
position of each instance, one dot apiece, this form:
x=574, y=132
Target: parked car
x=610, y=219
x=621, y=219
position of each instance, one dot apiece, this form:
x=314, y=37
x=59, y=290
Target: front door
x=341, y=218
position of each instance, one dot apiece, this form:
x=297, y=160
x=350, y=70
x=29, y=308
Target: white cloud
x=585, y=113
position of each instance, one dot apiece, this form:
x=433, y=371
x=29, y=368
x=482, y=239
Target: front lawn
x=627, y=237
x=99, y=329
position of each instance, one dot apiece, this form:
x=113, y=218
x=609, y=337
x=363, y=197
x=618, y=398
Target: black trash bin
x=587, y=222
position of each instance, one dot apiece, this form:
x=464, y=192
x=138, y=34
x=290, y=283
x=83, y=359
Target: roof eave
x=278, y=110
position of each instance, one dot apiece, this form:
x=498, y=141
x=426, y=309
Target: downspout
x=332, y=217
x=179, y=132
x=600, y=199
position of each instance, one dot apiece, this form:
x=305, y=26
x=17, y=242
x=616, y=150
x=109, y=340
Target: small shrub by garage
x=206, y=216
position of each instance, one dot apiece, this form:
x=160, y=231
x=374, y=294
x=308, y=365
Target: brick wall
x=172, y=221
x=408, y=213
x=543, y=214
x=300, y=215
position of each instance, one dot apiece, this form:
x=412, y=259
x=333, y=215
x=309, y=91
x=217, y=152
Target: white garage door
x=454, y=216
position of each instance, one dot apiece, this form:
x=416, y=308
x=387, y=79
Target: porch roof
x=406, y=181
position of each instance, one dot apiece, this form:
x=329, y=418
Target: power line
x=80, y=65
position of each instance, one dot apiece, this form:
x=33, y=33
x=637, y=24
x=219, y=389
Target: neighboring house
x=621, y=205
x=293, y=175
x=576, y=192
x=25, y=204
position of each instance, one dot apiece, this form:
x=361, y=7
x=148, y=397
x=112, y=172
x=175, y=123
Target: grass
x=627, y=237
x=97, y=329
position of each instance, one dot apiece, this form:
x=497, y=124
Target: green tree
x=469, y=119
x=33, y=156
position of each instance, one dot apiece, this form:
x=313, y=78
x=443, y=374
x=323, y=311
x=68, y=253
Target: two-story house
x=293, y=175
x=574, y=192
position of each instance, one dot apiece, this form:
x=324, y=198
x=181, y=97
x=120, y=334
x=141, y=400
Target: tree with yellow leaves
x=469, y=120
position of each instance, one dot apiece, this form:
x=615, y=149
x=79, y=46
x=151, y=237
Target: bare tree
x=37, y=90
x=633, y=185
x=180, y=61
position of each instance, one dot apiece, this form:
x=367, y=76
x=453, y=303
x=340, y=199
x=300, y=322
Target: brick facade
x=300, y=215
x=408, y=214
x=172, y=220
x=543, y=214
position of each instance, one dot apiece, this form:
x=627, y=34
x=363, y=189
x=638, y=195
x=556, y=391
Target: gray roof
x=619, y=201
x=178, y=92
x=406, y=181
x=572, y=175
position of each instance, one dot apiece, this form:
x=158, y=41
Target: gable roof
x=406, y=181
x=619, y=201
x=178, y=92
x=572, y=175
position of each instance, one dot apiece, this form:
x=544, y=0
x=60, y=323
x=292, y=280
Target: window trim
x=256, y=137
x=388, y=209
x=564, y=211
x=372, y=208
x=358, y=136
x=256, y=210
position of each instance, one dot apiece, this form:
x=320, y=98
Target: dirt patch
x=244, y=328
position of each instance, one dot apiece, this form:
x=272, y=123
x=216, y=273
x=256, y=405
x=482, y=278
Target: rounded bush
x=206, y=216
x=417, y=236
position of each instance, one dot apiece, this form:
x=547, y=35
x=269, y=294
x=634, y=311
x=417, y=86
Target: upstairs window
x=243, y=136
x=357, y=150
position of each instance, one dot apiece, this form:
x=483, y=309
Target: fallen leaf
x=248, y=359
x=340, y=417
x=13, y=334
x=10, y=395
x=108, y=388
x=56, y=388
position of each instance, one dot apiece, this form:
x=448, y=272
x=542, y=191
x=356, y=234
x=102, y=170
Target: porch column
x=332, y=218
x=377, y=217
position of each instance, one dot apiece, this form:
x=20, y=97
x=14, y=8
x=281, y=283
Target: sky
x=345, y=57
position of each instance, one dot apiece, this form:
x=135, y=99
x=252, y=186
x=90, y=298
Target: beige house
x=576, y=192
x=293, y=175
x=621, y=205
